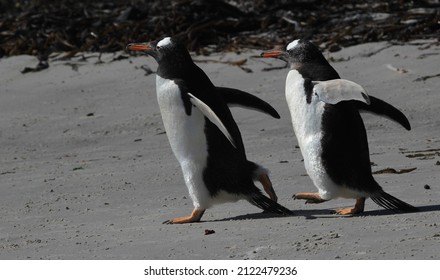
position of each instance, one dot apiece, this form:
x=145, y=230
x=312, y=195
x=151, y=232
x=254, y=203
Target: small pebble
x=427, y=187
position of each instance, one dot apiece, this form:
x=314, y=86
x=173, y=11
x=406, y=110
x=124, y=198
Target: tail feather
x=390, y=202
x=267, y=204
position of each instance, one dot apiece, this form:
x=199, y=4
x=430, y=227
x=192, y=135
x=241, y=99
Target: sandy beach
x=86, y=171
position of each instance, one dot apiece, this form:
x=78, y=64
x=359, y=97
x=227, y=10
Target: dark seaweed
x=40, y=27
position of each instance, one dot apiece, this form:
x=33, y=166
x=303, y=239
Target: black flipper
x=390, y=202
x=211, y=107
x=234, y=96
x=267, y=204
x=382, y=108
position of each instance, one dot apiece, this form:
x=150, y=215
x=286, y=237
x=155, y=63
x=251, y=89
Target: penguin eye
x=158, y=48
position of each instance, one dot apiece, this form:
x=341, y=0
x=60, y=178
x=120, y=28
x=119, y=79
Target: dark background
x=40, y=27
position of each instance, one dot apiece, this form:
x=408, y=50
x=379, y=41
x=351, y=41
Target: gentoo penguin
x=203, y=134
x=325, y=116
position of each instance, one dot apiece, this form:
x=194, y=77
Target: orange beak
x=139, y=47
x=273, y=53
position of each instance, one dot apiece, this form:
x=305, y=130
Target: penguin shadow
x=386, y=212
x=330, y=213
x=322, y=214
x=308, y=214
x=252, y=216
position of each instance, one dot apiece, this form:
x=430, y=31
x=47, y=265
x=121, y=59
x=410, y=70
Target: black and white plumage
x=203, y=134
x=325, y=116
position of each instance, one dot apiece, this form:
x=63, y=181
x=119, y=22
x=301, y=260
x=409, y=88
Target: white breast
x=307, y=125
x=187, y=138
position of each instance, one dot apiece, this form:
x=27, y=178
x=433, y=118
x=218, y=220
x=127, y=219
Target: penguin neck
x=176, y=69
x=296, y=65
x=315, y=71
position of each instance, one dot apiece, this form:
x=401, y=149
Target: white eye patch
x=164, y=42
x=292, y=45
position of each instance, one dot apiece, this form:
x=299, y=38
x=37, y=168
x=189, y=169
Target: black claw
x=168, y=222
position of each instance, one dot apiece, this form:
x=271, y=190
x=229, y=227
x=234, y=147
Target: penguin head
x=303, y=51
x=167, y=51
x=298, y=51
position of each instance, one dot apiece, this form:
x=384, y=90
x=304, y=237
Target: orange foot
x=267, y=185
x=358, y=208
x=195, y=216
x=309, y=197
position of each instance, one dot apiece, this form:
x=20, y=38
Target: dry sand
x=86, y=171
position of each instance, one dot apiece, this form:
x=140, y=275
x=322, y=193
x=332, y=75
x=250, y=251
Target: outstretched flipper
x=212, y=116
x=236, y=97
x=337, y=90
x=334, y=91
x=385, y=109
x=212, y=108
